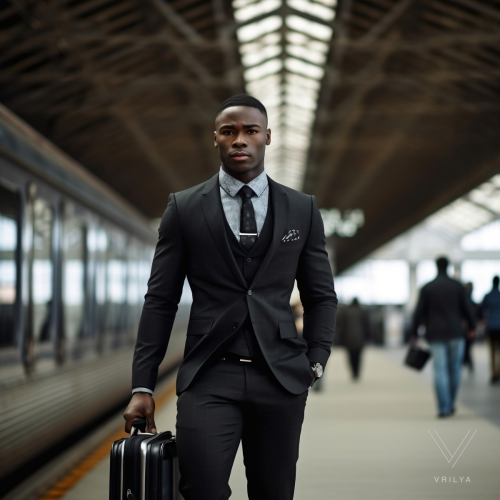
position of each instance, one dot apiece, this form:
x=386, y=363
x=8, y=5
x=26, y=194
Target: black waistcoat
x=245, y=343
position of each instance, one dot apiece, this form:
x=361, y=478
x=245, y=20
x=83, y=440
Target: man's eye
x=252, y=131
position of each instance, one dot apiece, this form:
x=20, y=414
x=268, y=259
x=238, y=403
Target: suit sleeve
x=317, y=293
x=161, y=301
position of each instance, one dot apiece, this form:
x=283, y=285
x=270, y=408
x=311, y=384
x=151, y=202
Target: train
x=75, y=259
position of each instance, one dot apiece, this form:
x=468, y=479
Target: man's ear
x=268, y=137
x=215, y=140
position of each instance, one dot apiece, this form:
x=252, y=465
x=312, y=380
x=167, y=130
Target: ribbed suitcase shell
x=144, y=467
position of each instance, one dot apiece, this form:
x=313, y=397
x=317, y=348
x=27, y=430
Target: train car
x=74, y=263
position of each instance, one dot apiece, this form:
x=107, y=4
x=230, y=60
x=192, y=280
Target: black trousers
x=232, y=402
x=355, y=361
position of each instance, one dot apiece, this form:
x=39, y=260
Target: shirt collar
x=231, y=185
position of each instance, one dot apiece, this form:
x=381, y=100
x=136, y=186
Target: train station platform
x=378, y=438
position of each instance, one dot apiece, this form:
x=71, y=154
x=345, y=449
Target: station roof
x=390, y=106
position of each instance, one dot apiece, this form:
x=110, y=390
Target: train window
x=116, y=274
x=42, y=270
x=133, y=289
x=73, y=289
x=10, y=204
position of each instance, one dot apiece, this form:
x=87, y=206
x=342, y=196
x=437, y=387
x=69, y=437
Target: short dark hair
x=442, y=264
x=496, y=281
x=242, y=100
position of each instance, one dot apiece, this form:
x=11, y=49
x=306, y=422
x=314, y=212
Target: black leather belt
x=235, y=358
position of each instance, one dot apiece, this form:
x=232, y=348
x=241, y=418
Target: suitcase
x=144, y=466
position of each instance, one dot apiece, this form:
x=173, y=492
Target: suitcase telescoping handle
x=139, y=424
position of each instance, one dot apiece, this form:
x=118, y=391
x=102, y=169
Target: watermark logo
x=447, y=454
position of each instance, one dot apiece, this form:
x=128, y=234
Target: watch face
x=318, y=370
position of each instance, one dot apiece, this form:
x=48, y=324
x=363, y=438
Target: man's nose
x=239, y=141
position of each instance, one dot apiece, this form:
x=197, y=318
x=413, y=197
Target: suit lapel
x=279, y=200
x=212, y=208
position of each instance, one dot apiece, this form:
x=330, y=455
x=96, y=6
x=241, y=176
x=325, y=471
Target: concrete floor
x=378, y=438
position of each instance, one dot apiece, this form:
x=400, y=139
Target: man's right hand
x=142, y=405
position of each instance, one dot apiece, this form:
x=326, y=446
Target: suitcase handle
x=139, y=424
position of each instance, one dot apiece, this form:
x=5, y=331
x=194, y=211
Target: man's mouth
x=239, y=155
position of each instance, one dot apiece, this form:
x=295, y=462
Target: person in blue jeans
x=442, y=307
x=490, y=309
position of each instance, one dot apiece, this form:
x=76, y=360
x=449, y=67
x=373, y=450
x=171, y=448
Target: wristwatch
x=317, y=368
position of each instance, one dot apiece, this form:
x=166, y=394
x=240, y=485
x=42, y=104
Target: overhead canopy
x=402, y=110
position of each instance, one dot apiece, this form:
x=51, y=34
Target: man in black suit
x=242, y=240
x=442, y=306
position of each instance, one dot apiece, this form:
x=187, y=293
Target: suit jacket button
x=249, y=292
x=249, y=259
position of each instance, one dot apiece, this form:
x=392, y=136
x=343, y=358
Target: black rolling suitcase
x=144, y=466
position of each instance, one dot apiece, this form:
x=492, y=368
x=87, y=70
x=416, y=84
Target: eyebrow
x=251, y=125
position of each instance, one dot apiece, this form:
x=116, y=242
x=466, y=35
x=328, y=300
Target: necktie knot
x=245, y=193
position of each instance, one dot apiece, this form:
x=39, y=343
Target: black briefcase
x=417, y=357
x=144, y=466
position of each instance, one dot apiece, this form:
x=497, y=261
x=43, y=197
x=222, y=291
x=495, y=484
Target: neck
x=245, y=177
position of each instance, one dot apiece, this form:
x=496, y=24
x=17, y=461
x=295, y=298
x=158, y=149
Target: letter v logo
x=449, y=457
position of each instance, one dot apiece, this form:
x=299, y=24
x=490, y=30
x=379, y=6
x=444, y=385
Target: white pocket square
x=292, y=235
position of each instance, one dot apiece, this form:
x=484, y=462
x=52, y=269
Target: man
x=442, y=306
x=242, y=240
x=353, y=332
x=490, y=309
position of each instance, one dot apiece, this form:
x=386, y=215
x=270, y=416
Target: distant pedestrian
x=490, y=309
x=353, y=330
x=442, y=306
x=468, y=361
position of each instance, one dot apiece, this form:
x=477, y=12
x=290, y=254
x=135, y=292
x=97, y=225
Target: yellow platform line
x=101, y=452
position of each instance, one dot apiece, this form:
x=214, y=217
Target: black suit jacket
x=442, y=305
x=193, y=243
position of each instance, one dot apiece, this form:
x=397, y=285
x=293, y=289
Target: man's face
x=241, y=136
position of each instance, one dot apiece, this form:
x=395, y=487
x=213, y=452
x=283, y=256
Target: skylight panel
x=262, y=84
x=267, y=68
x=460, y=217
x=303, y=68
x=312, y=8
x=250, y=10
x=256, y=57
x=295, y=89
x=255, y=30
x=306, y=53
x=315, y=30
x=301, y=81
x=328, y=3
x=486, y=238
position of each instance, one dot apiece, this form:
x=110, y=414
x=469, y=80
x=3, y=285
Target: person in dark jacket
x=352, y=327
x=490, y=309
x=442, y=306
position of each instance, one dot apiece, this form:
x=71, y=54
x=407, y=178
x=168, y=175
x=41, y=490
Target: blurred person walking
x=468, y=362
x=490, y=309
x=353, y=331
x=441, y=308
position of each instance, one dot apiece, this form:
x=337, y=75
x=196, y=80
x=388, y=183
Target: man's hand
x=142, y=405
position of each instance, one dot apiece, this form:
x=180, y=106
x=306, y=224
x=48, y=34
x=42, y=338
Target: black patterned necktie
x=248, y=224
